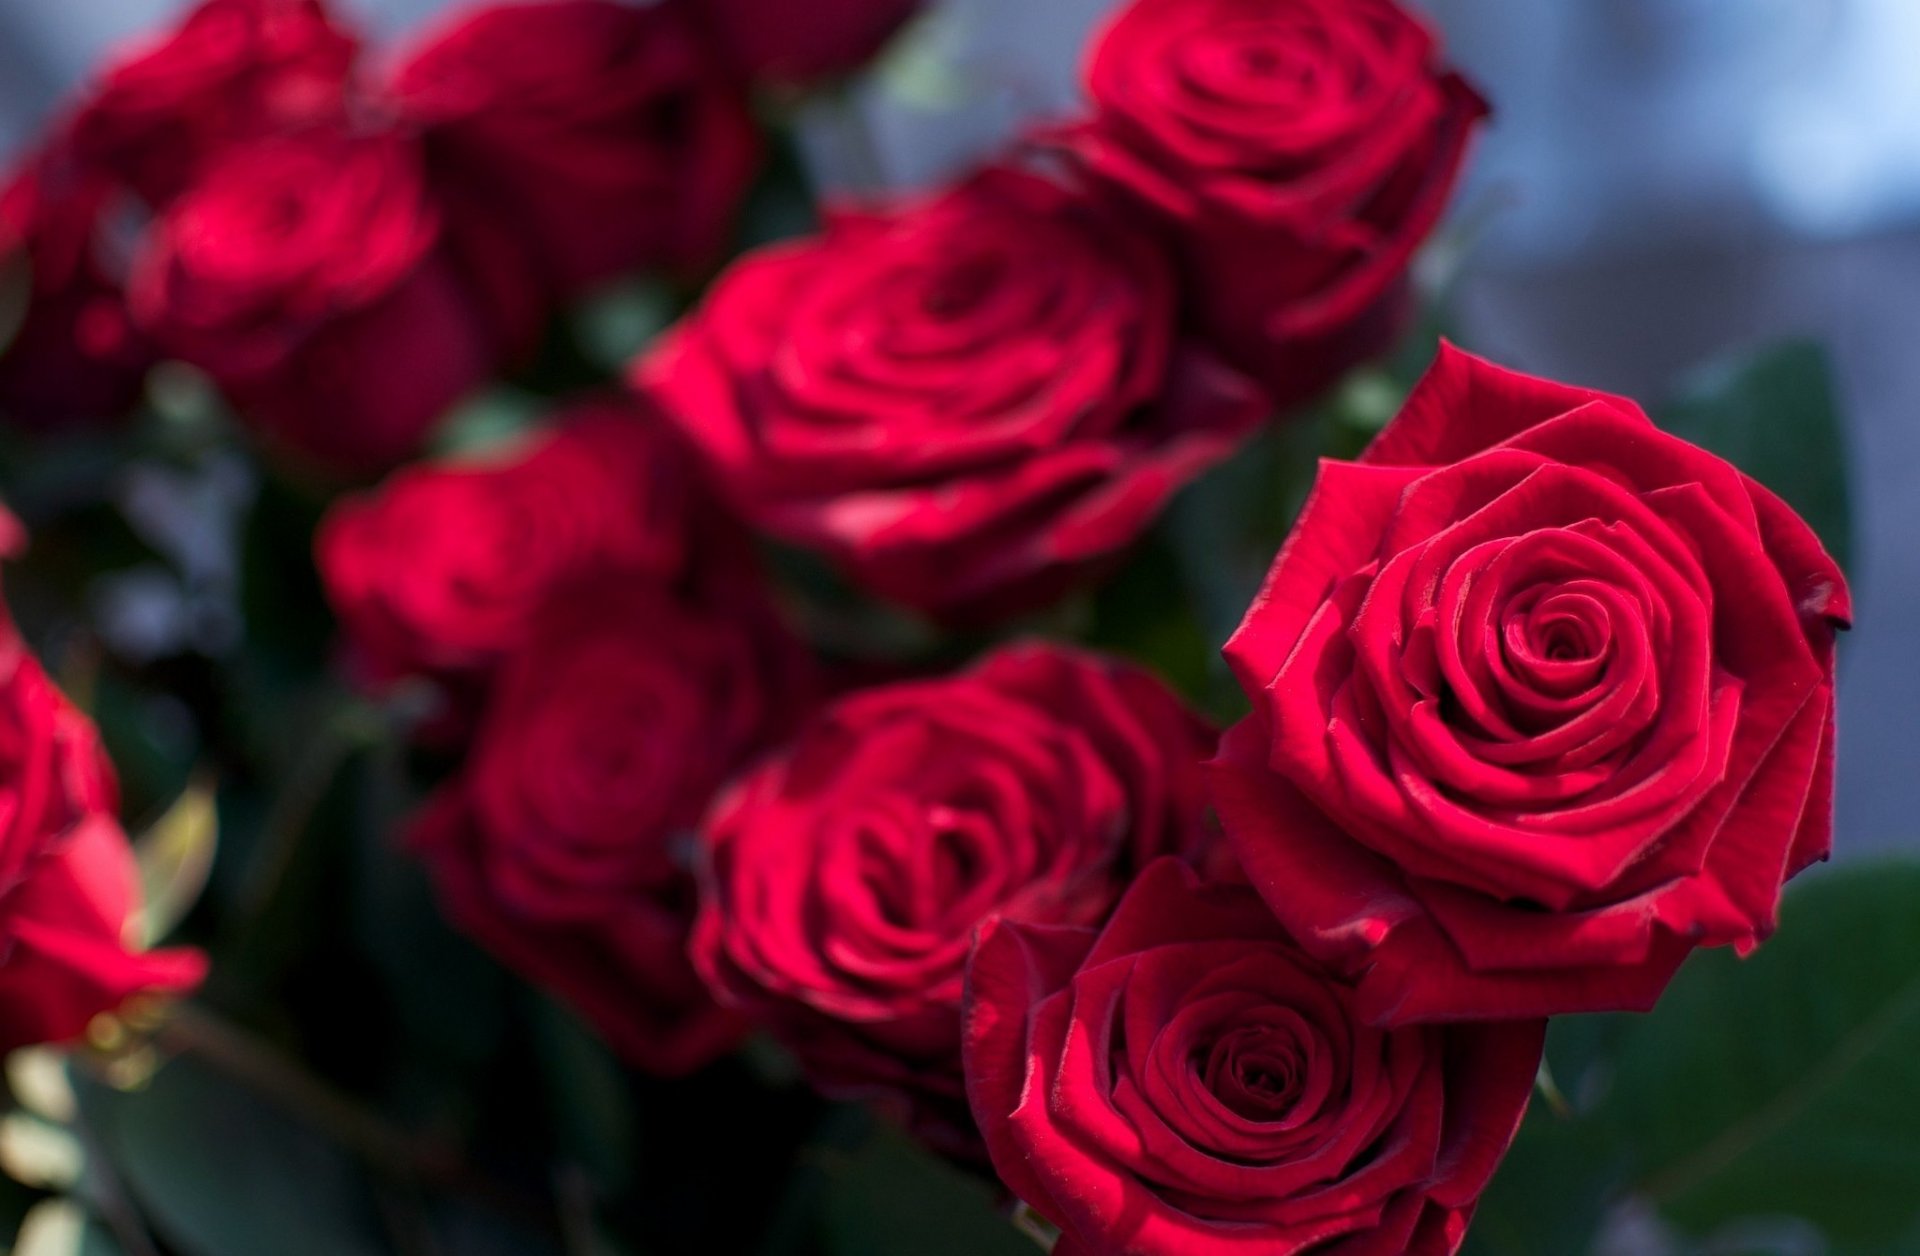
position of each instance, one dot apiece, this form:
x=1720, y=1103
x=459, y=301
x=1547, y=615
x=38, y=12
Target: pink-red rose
x=303, y=274
x=965, y=401
x=564, y=845
x=232, y=71
x=783, y=42
x=1543, y=700
x=599, y=136
x=842, y=881
x=442, y=570
x=1297, y=152
x=1189, y=1082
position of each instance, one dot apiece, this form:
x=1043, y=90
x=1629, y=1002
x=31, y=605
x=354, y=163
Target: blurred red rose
x=232, y=71
x=69, y=891
x=564, y=846
x=1543, y=700
x=1296, y=151
x=303, y=274
x=783, y=42
x=442, y=570
x=70, y=352
x=843, y=881
x=965, y=401
x=1189, y=1082
x=601, y=135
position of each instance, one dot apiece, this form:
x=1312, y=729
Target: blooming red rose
x=1297, y=151
x=1543, y=700
x=842, y=882
x=784, y=42
x=69, y=892
x=234, y=70
x=602, y=134
x=1189, y=1082
x=442, y=570
x=73, y=355
x=563, y=847
x=964, y=400
x=303, y=274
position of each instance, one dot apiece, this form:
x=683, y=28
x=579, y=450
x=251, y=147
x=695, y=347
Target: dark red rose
x=1543, y=700
x=69, y=891
x=1189, y=1082
x=233, y=71
x=564, y=846
x=602, y=134
x=783, y=42
x=303, y=274
x=442, y=570
x=1297, y=151
x=72, y=355
x=843, y=881
x=965, y=401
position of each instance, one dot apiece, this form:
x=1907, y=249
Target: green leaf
x=219, y=1173
x=175, y=856
x=1786, y=1085
x=890, y=1197
x=1775, y=416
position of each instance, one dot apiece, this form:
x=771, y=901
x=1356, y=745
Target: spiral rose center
x=1257, y=1071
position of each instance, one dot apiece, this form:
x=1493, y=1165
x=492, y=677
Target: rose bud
x=602, y=136
x=967, y=402
x=843, y=880
x=303, y=274
x=1189, y=1082
x=563, y=846
x=1543, y=699
x=1296, y=153
x=233, y=71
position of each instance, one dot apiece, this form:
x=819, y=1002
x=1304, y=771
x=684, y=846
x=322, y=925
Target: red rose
x=842, y=882
x=1297, y=151
x=563, y=846
x=303, y=275
x=1189, y=1082
x=234, y=70
x=74, y=355
x=69, y=891
x=784, y=42
x=601, y=133
x=1562, y=686
x=442, y=570
x=965, y=401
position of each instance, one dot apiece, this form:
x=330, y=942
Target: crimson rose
x=1297, y=152
x=69, y=891
x=441, y=571
x=842, y=882
x=965, y=401
x=303, y=274
x=1189, y=1082
x=563, y=846
x=233, y=71
x=601, y=135
x=1543, y=700
x=786, y=42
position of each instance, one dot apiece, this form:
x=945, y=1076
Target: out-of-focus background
x=1666, y=180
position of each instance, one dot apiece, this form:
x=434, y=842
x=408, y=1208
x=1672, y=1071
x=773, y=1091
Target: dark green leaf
x=1775, y=416
x=890, y=1197
x=1786, y=1085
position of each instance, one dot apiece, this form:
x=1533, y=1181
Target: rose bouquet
x=669, y=712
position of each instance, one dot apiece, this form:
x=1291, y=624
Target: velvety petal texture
x=1188, y=1081
x=1296, y=152
x=843, y=881
x=593, y=135
x=964, y=401
x=1543, y=700
x=563, y=846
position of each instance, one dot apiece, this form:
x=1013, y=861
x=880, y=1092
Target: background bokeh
x=1665, y=181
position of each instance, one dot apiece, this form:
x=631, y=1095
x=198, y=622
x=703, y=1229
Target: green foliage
x=888, y=1197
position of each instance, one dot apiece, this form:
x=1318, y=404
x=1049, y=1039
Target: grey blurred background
x=1665, y=180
